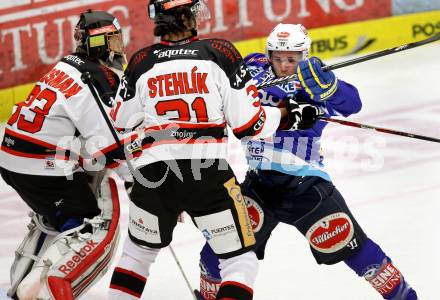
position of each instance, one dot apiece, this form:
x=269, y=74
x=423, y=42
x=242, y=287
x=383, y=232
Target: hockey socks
x=127, y=282
x=209, y=273
x=130, y=275
x=372, y=264
x=238, y=275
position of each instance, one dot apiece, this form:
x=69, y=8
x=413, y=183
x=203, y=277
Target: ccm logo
x=78, y=257
x=260, y=123
x=283, y=34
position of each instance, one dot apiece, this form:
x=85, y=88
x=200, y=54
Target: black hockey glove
x=300, y=116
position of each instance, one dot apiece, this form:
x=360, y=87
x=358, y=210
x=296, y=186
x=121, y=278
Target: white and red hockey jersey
x=185, y=94
x=59, y=122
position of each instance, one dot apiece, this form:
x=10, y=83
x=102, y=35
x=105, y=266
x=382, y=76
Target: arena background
x=390, y=182
x=35, y=34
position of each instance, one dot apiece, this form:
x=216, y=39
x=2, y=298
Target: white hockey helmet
x=289, y=37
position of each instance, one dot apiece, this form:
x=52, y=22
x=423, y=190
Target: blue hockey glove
x=300, y=116
x=319, y=84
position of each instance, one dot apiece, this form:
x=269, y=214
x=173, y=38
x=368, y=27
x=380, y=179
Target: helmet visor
x=115, y=43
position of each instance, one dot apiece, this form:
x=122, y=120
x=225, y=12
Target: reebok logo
x=79, y=256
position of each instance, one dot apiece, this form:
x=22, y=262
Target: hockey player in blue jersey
x=286, y=181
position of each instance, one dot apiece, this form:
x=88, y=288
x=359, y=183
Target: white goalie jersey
x=185, y=95
x=47, y=133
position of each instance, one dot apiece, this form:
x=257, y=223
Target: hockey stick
x=87, y=78
x=193, y=291
x=379, y=129
x=353, y=61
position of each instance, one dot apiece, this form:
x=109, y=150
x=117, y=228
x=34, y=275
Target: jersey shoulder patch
x=227, y=57
x=105, y=80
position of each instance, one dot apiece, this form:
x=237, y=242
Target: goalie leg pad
x=76, y=260
x=332, y=232
x=35, y=243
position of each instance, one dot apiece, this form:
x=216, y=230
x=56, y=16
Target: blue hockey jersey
x=295, y=152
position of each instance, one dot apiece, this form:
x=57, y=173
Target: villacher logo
x=331, y=233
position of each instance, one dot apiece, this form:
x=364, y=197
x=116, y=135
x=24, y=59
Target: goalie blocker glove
x=319, y=84
x=300, y=116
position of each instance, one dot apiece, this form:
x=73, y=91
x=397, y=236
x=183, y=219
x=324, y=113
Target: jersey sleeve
x=95, y=133
x=127, y=112
x=242, y=108
x=346, y=101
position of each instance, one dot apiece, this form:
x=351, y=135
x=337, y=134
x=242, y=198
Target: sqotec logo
x=331, y=233
x=175, y=53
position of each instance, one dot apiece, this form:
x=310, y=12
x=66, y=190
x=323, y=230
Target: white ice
x=390, y=182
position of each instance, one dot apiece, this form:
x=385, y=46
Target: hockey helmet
x=289, y=37
x=157, y=9
x=98, y=33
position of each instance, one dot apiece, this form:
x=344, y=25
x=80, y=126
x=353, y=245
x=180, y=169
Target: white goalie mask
x=289, y=37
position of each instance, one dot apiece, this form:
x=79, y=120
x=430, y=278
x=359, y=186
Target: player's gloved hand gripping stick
x=320, y=84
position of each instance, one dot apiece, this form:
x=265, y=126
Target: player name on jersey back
x=178, y=83
x=185, y=94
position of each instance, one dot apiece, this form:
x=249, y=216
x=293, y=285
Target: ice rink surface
x=391, y=184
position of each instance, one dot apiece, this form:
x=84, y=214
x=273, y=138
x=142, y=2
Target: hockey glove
x=319, y=84
x=300, y=116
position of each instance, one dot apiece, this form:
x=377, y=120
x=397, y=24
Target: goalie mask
x=99, y=35
x=168, y=12
x=289, y=37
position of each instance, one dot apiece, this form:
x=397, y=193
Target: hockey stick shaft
x=88, y=79
x=379, y=129
x=354, y=60
x=182, y=272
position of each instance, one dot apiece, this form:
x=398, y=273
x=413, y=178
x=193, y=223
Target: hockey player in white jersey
x=74, y=228
x=287, y=182
x=185, y=91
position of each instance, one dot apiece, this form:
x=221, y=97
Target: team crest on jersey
x=331, y=233
x=49, y=163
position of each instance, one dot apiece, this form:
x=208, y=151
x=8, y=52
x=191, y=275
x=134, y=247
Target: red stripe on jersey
x=30, y=139
x=250, y=123
x=29, y=155
x=115, y=145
